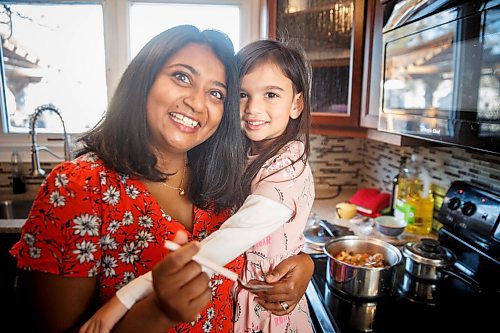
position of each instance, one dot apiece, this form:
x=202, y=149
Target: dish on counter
x=390, y=226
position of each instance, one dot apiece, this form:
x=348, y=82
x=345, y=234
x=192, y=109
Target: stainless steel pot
x=361, y=281
x=427, y=259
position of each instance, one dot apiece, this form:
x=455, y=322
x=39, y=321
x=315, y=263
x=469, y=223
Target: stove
x=465, y=299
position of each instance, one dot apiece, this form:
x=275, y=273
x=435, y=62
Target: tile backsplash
x=353, y=163
x=367, y=163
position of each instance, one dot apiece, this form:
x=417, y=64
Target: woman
x=167, y=157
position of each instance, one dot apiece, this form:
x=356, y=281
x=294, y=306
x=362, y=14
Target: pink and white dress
x=292, y=186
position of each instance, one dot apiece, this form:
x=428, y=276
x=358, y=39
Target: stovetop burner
x=448, y=305
x=465, y=299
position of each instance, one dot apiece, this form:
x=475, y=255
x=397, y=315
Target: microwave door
x=440, y=79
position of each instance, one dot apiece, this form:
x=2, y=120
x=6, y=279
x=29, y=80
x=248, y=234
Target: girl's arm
x=257, y=218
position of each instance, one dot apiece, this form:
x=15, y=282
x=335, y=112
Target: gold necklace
x=180, y=189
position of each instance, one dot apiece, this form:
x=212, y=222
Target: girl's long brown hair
x=294, y=65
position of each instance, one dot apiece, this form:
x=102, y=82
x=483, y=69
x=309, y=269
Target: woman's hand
x=290, y=279
x=180, y=286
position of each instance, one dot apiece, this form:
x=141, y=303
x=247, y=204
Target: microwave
x=441, y=72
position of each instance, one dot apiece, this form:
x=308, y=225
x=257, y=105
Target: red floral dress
x=89, y=220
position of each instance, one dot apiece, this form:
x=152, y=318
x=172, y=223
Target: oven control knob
x=468, y=208
x=454, y=203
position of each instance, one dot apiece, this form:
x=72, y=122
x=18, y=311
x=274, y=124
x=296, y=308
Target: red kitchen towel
x=370, y=201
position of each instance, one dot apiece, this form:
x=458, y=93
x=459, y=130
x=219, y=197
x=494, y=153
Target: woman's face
x=186, y=102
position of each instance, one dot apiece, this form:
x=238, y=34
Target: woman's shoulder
x=86, y=167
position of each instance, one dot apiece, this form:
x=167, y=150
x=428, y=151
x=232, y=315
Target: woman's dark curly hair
x=121, y=139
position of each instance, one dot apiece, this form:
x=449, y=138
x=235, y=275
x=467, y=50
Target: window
x=72, y=53
x=53, y=54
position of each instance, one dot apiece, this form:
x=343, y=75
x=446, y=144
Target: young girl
x=275, y=114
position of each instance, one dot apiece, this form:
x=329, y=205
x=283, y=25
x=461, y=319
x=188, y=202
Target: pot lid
x=430, y=252
x=316, y=236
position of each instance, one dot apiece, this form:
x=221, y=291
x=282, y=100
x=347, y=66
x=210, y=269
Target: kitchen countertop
x=325, y=210
x=324, y=204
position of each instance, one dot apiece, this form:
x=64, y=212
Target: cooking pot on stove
x=430, y=261
x=427, y=259
x=358, y=281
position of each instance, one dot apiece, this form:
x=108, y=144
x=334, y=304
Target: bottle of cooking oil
x=416, y=202
x=401, y=191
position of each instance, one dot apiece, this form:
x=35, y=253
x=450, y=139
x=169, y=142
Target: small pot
x=427, y=259
x=359, y=281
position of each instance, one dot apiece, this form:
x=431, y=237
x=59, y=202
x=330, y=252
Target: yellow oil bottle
x=415, y=202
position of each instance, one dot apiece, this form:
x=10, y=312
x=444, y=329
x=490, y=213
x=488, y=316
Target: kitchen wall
x=353, y=163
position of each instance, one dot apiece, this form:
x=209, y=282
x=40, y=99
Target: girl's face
x=186, y=102
x=267, y=102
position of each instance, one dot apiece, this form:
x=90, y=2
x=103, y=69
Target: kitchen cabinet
x=331, y=33
x=372, y=64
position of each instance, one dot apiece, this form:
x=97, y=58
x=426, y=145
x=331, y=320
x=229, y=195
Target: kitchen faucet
x=36, y=170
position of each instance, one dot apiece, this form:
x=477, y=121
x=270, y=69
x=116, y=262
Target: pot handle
x=334, y=230
x=464, y=278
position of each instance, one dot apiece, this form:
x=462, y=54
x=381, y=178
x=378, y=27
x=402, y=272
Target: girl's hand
x=290, y=279
x=105, y=318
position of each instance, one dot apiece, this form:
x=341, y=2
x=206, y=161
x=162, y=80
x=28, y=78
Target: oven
x=441, y=72
x=465, y=299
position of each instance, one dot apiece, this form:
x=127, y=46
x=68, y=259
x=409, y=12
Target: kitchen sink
x=15, y=209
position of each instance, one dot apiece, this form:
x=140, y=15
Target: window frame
x=117, y=56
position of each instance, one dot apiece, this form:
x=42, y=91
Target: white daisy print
x=113, y=226
x=145, y=221
x=61, y=180
x=92, y=272
x=103, y=177
x=129, y=254
x=127, y=277
x=108, y=243
x=128, y=218
x=84, y=251
x=123, y=178
x=144, y=238
x=111, y=196
x=108, y=264
x=132, y=192
x=86, y=224
x=210, y=313
x=214, y=284
x=166, y=216
x=202, y=235
x=207, y=326
x=57, y=200
x=29, y=239
x=35, y=252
